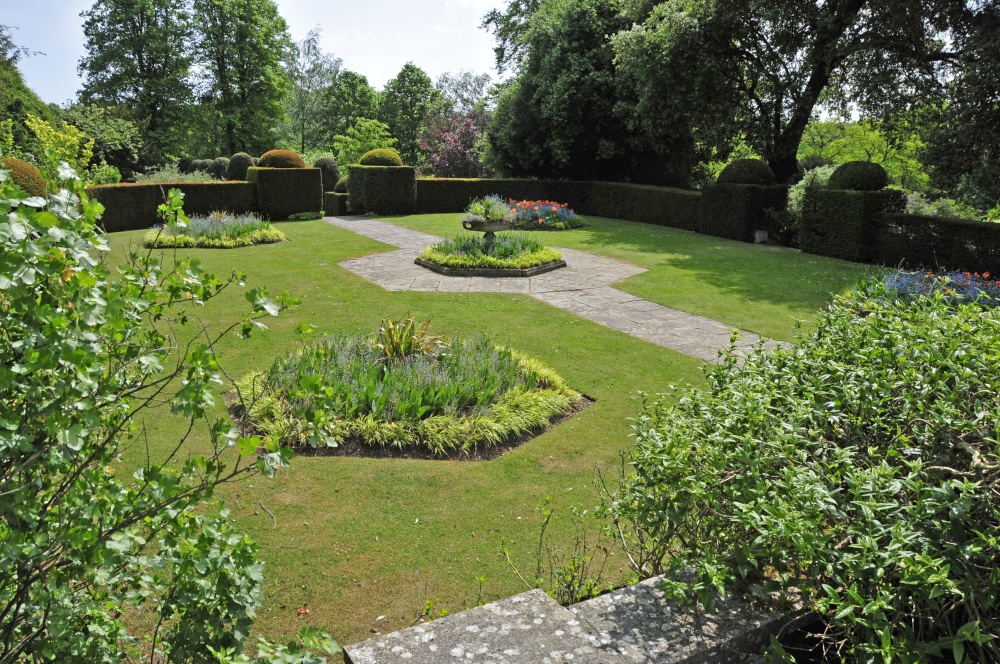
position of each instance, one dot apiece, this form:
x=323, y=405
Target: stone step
x=644, y=627
x=634, y=625
x=530, y=627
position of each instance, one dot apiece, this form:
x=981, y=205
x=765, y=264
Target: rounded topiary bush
x=201, y=165
x=26, y=176
x=859, y=176
x=281, y=159
x=341, y=186
x=238, y=165
x=331, y=172
x=747, y=171
x=381, y=157
x=185, y=166
x=218, y=168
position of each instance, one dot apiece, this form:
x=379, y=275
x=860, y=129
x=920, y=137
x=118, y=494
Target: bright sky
x=373, y=37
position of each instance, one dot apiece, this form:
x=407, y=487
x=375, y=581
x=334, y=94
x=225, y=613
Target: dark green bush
x=201, y=165
x=936, y=243
x=130, y=207
x=859, y=176
x=26, y=176
x=282, y=192
x=185, y=166
x=662, y=206
x=281, y=159
x=335, y=204
x=331, y=172
x=219, y=167
x=341, y=186
x=735, y=211
x=747, y=171
x=859, y=469
x=841, y=223
x=238, y=165
x=381, y=157
x=382, y=189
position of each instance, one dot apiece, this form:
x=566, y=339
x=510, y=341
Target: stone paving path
x=583, y=287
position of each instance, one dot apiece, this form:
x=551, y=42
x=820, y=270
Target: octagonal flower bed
x=218, y=230
x=403, y=390
x=505, y=254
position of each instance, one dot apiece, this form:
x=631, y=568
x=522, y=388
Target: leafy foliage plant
x=858, y=469
x=505, y=251
x=84, y=354
x=218, y=230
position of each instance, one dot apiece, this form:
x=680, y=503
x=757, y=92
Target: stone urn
x=490, y=228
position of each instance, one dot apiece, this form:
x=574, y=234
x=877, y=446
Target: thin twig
x=261, y=502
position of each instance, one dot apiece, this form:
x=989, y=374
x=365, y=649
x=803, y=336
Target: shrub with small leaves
x=341, y=186
x=25, y=175
x=238, y=165
x=747, y=171
x=331, y=172
x=381, y=157
x=858, y=469
x=281, y=159
x=859, y=176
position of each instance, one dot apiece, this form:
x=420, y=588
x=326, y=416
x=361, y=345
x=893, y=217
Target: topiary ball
x=238, y=165
x=26, y=176
x=859, y=176
x=201, y=165
x=281, y=159
x=381, y=157
x=331, y=172
x=218, y=167
x=746, y=171
x=341, y=186
x=185, y=166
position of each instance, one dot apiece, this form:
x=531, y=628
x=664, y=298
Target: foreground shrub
x=84, y=354
x=281, y=159
x=858, y=468
x=543, y=216
x=404, y=388
x=505, y=251
x=218, y=230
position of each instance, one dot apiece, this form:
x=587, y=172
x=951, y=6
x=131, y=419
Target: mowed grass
x=364, y=544
x=758, y=288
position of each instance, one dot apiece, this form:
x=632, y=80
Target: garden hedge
x=132, y=206
x=335, y=204
x=436, y=195
x=663, y=206
x=282, y=192
x=841, y=223
x=382, y=189
x=735, y=211
x=916, y=241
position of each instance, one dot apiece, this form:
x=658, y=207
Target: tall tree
x=138, y=55
x=348, y=98
x=405, y=103
x=465, y=90
x=510, y=27
x=311, y=73
x=241, y=46
x=762, y=67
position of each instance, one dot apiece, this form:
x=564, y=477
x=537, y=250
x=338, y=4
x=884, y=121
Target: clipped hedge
x=335, y=204
x=26, y=176
x=381, y=157
x=662, y=206
x=747, y=171
x=382, y=189
x=435, y=195
x=282, y=192
x=735, y=211
x=132, y=206
x=842, y=224
x=281, y=159
x=331, y=172
x=917, y=241
x=859, y=176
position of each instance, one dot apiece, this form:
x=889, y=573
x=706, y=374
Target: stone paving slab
x=527, y=628
x=583, y=288
x=644, y=627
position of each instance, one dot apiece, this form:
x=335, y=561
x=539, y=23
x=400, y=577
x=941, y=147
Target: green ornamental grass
x=218, y=230
x=506, y=251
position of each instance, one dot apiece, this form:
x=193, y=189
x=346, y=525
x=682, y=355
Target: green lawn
x=357, y=539
x=762, y=289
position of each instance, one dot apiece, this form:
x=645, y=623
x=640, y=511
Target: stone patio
x=583, y=288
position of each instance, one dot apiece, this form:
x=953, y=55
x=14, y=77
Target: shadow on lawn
x=759, y=273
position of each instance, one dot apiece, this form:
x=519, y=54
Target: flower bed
x=404, y=389
x=955, y=287
x=543, y=215
x=218, y=230
x=507, y=251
